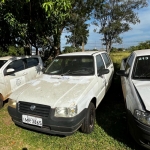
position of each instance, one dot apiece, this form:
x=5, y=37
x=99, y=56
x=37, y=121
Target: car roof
x=142, y=52
x=15, y=57
x=81, y=53
x=5, y=58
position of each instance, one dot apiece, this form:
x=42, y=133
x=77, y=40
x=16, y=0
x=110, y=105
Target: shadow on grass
x=111, y=115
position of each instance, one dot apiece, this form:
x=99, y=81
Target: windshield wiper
x=68, y=72
x=83, y=70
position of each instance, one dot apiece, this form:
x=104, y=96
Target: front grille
x=38, y=109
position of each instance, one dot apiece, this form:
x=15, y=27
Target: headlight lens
x=142, y=116
x=12, y=103
x=65, y=111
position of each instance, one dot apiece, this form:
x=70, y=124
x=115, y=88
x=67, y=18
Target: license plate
x=32, y=120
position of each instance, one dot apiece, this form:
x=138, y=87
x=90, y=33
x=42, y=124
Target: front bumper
x=139, y=131
x=51, y=124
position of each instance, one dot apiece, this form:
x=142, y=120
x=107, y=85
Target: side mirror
x=103, y=71
x=121, y=73
x=10, y=71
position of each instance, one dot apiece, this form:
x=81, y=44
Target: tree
x=70, y=49
x=58, y=11
x=32, y=22
x=76, y=24
x=140, y=46
x=79, y=35
x=115, y=17
x=144, y=45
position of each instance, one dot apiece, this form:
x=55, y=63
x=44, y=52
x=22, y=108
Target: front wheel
x=89, y=120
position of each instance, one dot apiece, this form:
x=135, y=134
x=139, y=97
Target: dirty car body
x=16, y=71
x=135, y=80
x=65, y=96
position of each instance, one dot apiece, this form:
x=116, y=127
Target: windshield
x=2, y=62
x=142, y=67
x=71, y=65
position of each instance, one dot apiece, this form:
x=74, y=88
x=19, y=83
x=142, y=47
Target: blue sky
x=139, y=33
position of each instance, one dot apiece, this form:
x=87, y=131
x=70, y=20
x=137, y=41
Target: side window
x=31, y=62
x=129, y=63
x=106, y=59
x=18, y=65
x=100, y=63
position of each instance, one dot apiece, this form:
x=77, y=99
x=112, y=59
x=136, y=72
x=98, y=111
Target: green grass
x=117, y=57
x=110, y=131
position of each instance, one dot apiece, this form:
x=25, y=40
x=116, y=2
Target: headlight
x=142, y=116
x=12, y=103
x=65, y=112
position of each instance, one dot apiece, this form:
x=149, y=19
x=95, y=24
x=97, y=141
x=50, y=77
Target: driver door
x=15, y=79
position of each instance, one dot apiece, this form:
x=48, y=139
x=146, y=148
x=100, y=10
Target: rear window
x=31, y=62
x=106, y=59
x=2, y=62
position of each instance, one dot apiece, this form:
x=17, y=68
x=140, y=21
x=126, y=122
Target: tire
x=1, y=103
x=89, y=120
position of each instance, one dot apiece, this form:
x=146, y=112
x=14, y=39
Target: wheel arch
x=1, y=97
x=94, y=101
x=1, y=101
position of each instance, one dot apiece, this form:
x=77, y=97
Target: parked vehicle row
x=64, y=98
x=135, y=81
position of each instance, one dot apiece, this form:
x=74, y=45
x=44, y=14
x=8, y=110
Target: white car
x=65, y=97
x=16, y=71
x=135, y=81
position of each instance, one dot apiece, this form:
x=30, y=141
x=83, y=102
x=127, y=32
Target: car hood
x=54, y=90
x=143, y=88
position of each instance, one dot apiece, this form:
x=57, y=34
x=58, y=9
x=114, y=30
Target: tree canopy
x=40, y=23
x=115, y=17
x=32, y=22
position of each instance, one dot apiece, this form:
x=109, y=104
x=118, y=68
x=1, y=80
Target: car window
x=100, y=63
x=18, y=65
x=31, y=62
x=2, y=62
x=106, y=59
x=142, y=67
x=129, y=63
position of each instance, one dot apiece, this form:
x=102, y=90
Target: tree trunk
x=30, y=47
x=106, y=46
x=37, y=52
x=27, y=50
x=109, y=48
x=82, y=46
x=56, y=46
